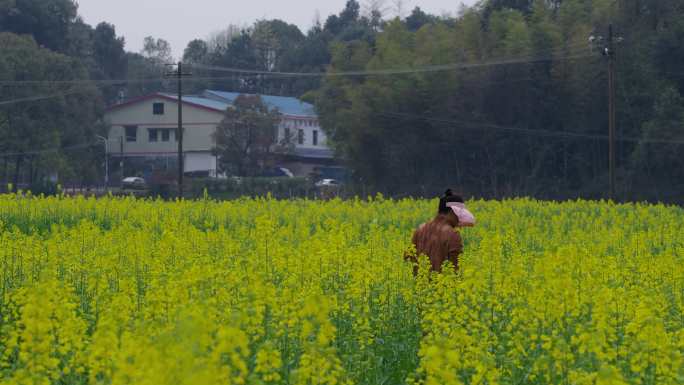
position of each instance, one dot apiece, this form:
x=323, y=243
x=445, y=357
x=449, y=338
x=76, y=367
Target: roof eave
x=160, y=96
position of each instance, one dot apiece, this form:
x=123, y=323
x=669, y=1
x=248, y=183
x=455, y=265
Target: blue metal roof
x=204, y=102
x=285, y=105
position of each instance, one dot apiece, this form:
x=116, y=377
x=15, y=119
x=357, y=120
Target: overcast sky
x=180, y=21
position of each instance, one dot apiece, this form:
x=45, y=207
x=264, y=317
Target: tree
x=663, y=160
x=140, y=67
x=219, y=41
x=247, y=136
x=54, y=132
x=108, y=59
x=374, y=11
x=108, y=51
x=196, y=52
x=157, y=50
x=275, y=43
x=417, y=19
x=398, y=8
x=351, y=12
x=524, y=6
x=469, y=126
x=150, y=64
x=48, y=21
x=269, y=45
x=195, y=55
x=79, y=43
x=350, y=15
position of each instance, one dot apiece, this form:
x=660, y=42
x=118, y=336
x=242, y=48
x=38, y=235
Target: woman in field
x=439, y=239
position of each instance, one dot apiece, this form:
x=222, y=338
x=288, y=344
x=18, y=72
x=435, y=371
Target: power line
x=256, y=73
x=668, y=73
x=38, y=98
x=45, y=97
x=564, y=134
x=582, y=53
x=538, y=132
x=496, y=61
x=427, y=69
x=113, y=82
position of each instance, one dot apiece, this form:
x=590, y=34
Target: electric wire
x=38, y=98
x=539, y=132
x=384, y=72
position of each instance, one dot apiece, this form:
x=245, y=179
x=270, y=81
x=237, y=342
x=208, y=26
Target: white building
x=142, y=132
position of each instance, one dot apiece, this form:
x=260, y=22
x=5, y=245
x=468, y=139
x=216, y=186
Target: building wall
x=200, y=126
x=200, y=161
x=198, y=141
x=308, y=125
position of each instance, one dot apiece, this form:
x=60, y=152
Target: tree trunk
x=492, y=173
x=31, y=171
x=17, y=168
x=4, y=172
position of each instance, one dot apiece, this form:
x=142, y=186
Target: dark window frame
x=165, y=135
x=131, y=136
x=158, y=109
x=315, y=137
x=300, y=136
x=153, y=135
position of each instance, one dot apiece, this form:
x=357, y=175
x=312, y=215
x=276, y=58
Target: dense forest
x=505, y=98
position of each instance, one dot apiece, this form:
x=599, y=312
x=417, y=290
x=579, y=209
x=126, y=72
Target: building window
x=166, y=135
x=287, y=134
x=300, y=136
x=315, y=137
x=131, y=133
x=153, y=135
x=158, y=108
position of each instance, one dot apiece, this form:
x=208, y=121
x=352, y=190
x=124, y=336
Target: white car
x=327, y=183
x=286, y=171
x=134, y=182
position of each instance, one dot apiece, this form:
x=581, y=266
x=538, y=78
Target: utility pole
x=121, y=159
x=106, y=147
x=179, y=75
x=610, y=53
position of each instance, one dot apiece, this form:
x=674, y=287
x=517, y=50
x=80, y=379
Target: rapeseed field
x=261, y=291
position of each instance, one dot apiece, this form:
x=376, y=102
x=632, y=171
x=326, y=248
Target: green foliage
x=44, y=42
x=663, y=163
x=108, y=51
x=418, y=18
x=37, y=131
x=246, y=137
x=196, y=51
x=231, y=188
x=48, y=21
x=157, y=50
x=528, y=67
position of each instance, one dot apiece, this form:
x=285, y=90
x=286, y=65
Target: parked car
x=276, y=172
x=134, y=183
x=328, y=183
